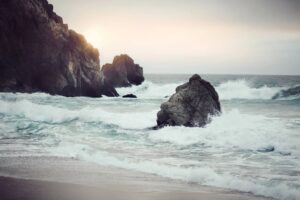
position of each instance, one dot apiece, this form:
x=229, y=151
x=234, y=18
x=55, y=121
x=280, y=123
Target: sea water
x=253, y=146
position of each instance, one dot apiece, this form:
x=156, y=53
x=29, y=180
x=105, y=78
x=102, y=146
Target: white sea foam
x=227, y=133
x=241, y=89
x=36, y=112
x=52, y=114
x=149, y=90
x=234, y=89
x=234, y=130
x=204, y=175
x=164, y=152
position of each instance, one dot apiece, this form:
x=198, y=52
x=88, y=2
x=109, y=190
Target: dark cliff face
x=39, y=53
x=123, y=72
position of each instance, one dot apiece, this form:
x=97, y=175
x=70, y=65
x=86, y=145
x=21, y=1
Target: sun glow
x=93, y=37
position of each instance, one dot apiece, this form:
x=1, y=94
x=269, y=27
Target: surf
x=227, y=90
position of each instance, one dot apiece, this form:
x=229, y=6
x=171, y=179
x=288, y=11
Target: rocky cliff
x=123, y=72
x=39, y=53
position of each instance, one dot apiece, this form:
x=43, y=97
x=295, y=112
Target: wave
x=229, y=90
x=233, y=133
x=234, y=130
x=288, y=94
x=52, y=114
x=149, y=90
x=228, y=133
x=241, y=89
x=233, y=89
x=204, y=175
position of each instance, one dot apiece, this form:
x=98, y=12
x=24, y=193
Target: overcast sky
x=192, y=36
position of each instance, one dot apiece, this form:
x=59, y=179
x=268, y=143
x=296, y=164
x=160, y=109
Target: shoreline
x=63, y=178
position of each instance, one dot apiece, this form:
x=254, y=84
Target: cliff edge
x=38, y=53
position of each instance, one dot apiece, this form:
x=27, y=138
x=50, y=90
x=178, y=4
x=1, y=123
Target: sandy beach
x=43, y=178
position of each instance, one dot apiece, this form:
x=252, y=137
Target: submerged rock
x=266, y=149
x=130, y=96
x=287, y=93
x=39, y=53
x=191, y=105
x=123, y=72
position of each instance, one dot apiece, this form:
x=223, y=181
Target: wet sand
x=52, y=178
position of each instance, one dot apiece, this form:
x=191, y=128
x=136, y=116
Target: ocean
x=253, y=146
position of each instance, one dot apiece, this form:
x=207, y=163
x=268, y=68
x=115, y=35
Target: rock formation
x=106, y=87
x=130, y=96
x=123, y=72
x=191, y=105
x=39, y=53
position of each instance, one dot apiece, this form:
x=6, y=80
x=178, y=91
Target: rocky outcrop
x=39, y=53
x=123, y=72
x=191, y=105
x=130, y=96
x=291, y=92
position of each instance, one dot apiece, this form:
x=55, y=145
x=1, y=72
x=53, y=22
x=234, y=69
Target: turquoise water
x=253, y=146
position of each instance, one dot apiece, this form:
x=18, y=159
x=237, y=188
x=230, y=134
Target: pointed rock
x=191, y=105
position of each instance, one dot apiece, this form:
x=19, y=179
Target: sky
x=192, y=36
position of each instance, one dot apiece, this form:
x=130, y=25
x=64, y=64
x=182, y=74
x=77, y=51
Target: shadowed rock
x=130, y=96
x=266, y=149
x=123, y=72
x=106, y=88
x=39, y=53
x=191, y=105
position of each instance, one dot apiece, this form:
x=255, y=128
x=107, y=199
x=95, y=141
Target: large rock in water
x=123, y=72
x=191, y=105
x=39, y=53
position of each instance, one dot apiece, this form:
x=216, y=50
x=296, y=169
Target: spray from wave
x=233, y=89
x=241, y=89
x=234, y=130
x=149, y=90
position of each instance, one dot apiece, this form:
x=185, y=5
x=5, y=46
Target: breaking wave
x=288, y=94
x=204, y=175
x=53, y=114
x=233, y=142
x=149, y=90
x=257, y=153
x=249, y=132
x=241, y=89
x=233, y=89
